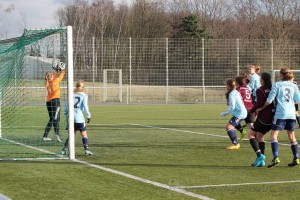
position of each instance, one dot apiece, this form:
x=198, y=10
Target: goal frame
x=106, y=86
x=273, y=73
x=70, y=93
x=70, y=84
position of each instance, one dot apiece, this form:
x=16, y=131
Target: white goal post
x=70, y=92
x=27, y=132
x=112, y=82
x=275, y=75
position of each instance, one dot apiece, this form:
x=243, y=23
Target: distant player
x=237, y=108
x=80, y=106
x=263, y=122
x=52, y=81
x=286, y=94
x=254, y=80
x=245, y=92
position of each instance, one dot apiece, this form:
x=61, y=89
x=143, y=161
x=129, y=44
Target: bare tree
x=280, y=17
x=162, y=18
x=148, y=19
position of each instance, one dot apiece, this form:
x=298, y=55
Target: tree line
x=102, y=31
x=218, y=19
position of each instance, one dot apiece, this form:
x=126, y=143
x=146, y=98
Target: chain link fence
x=170, y=70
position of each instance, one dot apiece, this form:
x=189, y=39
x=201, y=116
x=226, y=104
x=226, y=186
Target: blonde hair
x=256, y=68
x=79, y=86
x=47, y=77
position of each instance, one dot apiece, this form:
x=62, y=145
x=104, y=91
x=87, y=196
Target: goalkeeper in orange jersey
x=52, y=81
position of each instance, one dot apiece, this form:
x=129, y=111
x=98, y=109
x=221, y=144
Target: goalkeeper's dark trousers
x=53, y=107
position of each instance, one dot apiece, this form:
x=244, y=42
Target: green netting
x=23, y=63
x=28, y=37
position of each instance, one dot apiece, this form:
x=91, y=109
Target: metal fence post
x=93, y=67
x=130, y=69
x=203, y=72
x=238, y=56
x=167, y=71
x=272, y=55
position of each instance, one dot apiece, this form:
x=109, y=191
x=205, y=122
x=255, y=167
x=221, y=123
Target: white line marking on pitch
x=193, y=132
x=181, y=191
x=34, y=148
x=221, y=185
x=178, y=130
x=175, y=189
x=238, y=184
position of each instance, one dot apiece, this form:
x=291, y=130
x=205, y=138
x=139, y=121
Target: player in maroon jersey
x=263, y=122
x=247, y=99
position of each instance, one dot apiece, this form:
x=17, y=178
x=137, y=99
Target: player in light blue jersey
x=254, y=83
x=286, y=94
x=80, y=106
x=237, y=108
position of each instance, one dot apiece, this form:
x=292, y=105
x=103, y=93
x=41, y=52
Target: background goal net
x=275, y=75
x=23, y=64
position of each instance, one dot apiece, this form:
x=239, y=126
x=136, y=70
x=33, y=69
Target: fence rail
x=167, y=70
x=180, y=62
x=134, y=95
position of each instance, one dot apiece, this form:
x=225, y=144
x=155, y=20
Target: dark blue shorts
x=79, y=127
x=284, y=124
x=234, y=121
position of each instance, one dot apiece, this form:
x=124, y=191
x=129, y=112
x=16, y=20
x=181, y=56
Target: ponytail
x=79, y=86
x=47, y=77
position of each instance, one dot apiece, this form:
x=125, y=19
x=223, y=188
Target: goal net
x=24, y=116
x=275, y=75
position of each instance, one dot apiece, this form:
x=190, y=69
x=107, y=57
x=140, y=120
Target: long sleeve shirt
x=236, y=105
x=53, y=88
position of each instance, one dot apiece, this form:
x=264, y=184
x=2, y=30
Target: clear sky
x=36, y=14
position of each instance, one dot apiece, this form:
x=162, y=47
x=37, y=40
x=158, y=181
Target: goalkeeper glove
x=88, y=120
x=56, y=68
x=61, y=66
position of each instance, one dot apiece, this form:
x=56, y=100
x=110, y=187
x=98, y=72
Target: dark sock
x=239, y=128
x=254, y=145
x=274, y=146
x=232, y=136
x=66, y=144
x=294, y=147
x=85, y=143
x=262, y=146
